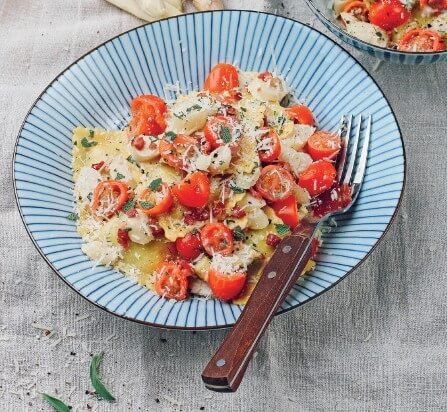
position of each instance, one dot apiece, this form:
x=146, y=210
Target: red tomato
x=217, y=238
x=221, y=130
x=172, y=152
x=98, y=166
x=301, y=114
x=147, y=115
x=109, y=197
x=318, y=177
x=336, y=199
x=171, y=279
x=123, y=238
x=388, y=14
x=270, y=147
x=436, y=5
x=421, y=40
x=357, y=8
x=154, y=203
x=323, y=145
x=226, y=286
x=222, y=77
x=190, y=246
x=193, y=190
x=287, y=210
x=274, y=183
x=264, y=76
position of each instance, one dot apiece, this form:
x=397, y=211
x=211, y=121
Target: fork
x=227, y=367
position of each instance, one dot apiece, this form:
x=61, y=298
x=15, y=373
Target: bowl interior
x=95, y=92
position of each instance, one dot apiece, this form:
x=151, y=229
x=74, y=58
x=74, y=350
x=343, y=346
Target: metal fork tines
x=352, y=161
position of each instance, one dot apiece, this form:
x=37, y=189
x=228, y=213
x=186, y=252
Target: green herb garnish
x=378, y=34
x=57, y=404
x=238, y=233
x=94, y=378
x=155, y=184
x=130, y=204
x=86, y=143
x=146, y=205
x=236, y=189
x=225, y=134
x=73, y=217
x=130, y=159
x=282, y=229
x=89, y=196
x=171, y=136
x=195, y=107
x=119, y=176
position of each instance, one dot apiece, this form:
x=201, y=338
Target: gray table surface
x=377, y=341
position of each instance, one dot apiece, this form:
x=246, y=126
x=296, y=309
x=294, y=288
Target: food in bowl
x=194, y=195
x=404, y=25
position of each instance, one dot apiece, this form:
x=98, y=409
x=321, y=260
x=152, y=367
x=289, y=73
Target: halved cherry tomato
x=274, y=183
x=109, y=197
x=222, y=77
x=357, y=8
x=318, y=177
x=173, y=152
x=123, y=238
x=301, y=114
x=421, y=40
x=217, y=238
x=270, y=146
x=331, y=201
x=226, y=286
x=190, y=246
x=193, y=190
x=171, y=279
x=323, y=145
x=155, y=202
x=436, y=5
x=147, y=115
x=221, y=130
x=388, y=14
x=287, y=210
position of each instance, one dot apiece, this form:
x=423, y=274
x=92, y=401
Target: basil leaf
x=155, y=184
x=146, y=205
x=236, y=189
x=225, y=134
x=57, y=404
x=94, y=378
x=130, y=204
x=73, y=217
x=171, y=136
x=282, y=229
x=85, y=143
x=238, y=233
x=119, y=176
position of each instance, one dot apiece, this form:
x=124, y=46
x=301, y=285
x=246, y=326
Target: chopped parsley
x=378, y=34
x=238, y=233
x=225, y=134
x=119, y=176
x=86, y=143
x=236, y=189
x=73, y=217
x=195, y=107
x=155, y=184
x=171, y=136
x=130, y=204
x=180, y=115
x=130, y=159
x=282, y=229
x=146, y=205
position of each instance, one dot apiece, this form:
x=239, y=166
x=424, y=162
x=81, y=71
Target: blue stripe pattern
x=96, y=91
x=322, y=9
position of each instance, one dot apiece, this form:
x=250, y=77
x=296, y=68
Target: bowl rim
x=215, y=327
x=320, y=15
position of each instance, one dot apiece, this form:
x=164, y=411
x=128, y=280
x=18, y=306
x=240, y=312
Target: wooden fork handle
x=226, y=369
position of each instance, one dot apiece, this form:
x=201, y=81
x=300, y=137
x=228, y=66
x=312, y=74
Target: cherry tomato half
x=173, y=151
x=217, y=238
x=193, y=190
x=318, y=177
x=109, y=197
x=270, y=146
x=275, y=183
x=190, y=246
x=147, y=115
x=287, y=210
x=301, y=114
x=171, y=279
x=334, y=200
x=436, y=5
x=323, y=145
x=222, y=77
x=226, y=286
x=388, y=14
x=221, y=130
x=155, y=202
x=421, y=40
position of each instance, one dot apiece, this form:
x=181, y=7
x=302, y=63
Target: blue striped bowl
x=95, y=92
x=322, y=9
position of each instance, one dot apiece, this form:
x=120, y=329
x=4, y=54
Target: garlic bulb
x=150, y=10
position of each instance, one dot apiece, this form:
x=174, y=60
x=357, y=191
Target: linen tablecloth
x=375, y=342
